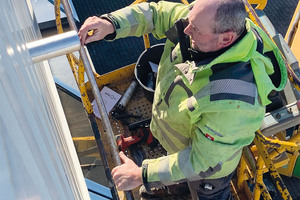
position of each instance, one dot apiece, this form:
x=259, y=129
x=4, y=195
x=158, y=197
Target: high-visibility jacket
x=204, y=112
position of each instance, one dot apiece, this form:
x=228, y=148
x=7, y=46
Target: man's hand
x=99, y=28
x=128, y=175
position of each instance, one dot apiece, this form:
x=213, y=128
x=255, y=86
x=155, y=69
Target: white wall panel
x=37, y=155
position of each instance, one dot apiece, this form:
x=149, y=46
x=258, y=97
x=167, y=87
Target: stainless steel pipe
x=98, y=98
x=127, y=95
x=95, y=89
x=53, y=46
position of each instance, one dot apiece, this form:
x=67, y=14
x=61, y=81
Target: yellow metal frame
x=261, y=4
x=75, y=64
x=255, y=162
x=261, y=143
x=292, y=32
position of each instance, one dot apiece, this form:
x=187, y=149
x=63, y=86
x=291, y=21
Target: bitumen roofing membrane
x=108, y=56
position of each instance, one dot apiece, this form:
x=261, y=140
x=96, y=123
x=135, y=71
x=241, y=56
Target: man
x=210, y=94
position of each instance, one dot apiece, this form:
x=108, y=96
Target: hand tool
x=143, y=135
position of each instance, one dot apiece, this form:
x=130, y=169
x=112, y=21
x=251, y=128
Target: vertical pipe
x=94, y=86
x=103, y=155
x=96, y=93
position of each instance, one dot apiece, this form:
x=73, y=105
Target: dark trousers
x=217, y=189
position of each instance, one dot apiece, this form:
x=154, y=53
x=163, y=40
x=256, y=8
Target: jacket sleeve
x=139, y=19
x=215, y=150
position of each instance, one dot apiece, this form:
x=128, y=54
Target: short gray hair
x=230, y=15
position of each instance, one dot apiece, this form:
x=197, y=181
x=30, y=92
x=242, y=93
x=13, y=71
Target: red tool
x=143, y=135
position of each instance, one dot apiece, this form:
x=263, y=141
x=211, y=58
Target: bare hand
x=128, y=175
x=100, y=28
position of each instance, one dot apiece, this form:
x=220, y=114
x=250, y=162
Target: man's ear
x=227, y=39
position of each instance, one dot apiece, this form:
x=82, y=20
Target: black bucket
x=143, y=72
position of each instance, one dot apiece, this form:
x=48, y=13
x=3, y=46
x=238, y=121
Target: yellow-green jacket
x=203, y=113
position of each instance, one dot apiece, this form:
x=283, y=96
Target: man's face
x=199, y=28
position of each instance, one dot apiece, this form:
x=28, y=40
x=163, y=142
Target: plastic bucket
x=143, y=71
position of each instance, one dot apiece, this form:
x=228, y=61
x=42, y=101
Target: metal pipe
x=94, y=86
x=53, y=46
x=96, y=93
x=101, y=149
x=127, y=95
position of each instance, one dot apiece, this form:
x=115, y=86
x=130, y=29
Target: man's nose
x=187, y=30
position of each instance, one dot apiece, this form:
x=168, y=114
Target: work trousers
x=208, y=189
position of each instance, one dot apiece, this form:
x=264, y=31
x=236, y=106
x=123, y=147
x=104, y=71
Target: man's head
x=215, y=24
